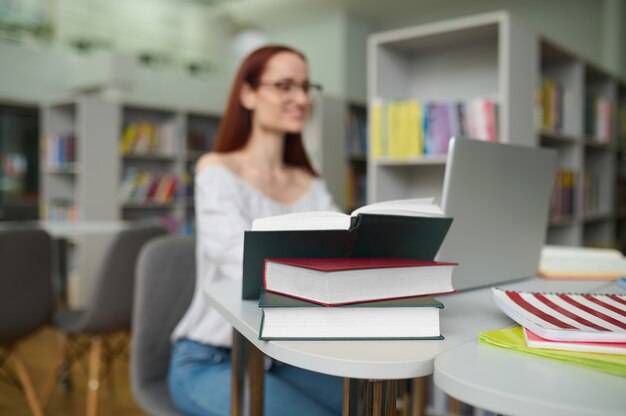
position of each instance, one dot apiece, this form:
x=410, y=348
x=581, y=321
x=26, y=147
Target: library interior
x=474, y=153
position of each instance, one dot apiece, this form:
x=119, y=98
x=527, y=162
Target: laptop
x=499, y=196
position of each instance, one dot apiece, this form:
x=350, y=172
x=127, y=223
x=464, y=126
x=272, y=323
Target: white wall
x=336, y=47
x=322, y=41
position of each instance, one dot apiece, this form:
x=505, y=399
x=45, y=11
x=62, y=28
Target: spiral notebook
x=584, y=317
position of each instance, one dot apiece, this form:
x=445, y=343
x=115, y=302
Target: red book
x=340, y=281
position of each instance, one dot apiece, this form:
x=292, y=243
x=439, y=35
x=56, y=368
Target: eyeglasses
x=287, y=87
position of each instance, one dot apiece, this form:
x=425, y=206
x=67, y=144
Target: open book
x=562, y=262
x=328, y=220
x=412, y=229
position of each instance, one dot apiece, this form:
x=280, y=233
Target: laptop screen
x=499, y=196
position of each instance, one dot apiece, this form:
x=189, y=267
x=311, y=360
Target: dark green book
x=287, y=318
x=363, y=235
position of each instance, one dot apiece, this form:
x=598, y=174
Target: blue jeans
x=199, y=383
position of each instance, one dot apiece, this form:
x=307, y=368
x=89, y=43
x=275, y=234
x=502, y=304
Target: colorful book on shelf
x=535, y=341
x=413, y=228
x=513, y=339
x=152, y=188
x=287, y=318
x=581, y=263
x=587, y=317
x=343, y=280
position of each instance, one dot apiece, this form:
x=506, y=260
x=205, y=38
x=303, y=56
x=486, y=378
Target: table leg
x=369, y=397
x=415, y=402
x=247, y=378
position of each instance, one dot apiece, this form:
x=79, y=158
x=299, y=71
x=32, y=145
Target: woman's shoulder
x=209, y=159
x=229, y=161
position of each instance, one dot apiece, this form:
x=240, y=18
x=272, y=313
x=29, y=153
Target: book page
x=311, y=220
x=410, y=207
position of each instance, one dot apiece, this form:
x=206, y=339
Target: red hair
x=236, y=124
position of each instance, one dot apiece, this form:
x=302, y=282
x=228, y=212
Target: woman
x=258, y=168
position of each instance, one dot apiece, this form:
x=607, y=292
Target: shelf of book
x=159, y=148
x=543, y=95
x=78, y=159
x=446, y=79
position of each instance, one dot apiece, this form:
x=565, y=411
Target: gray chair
x=102, y=329
x=26, y=299
x=165, y=282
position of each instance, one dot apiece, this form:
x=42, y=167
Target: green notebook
x=287, y=318
x=513, y=339
x=369, y=235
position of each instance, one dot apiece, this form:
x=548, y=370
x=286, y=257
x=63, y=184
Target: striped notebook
x=567, y=316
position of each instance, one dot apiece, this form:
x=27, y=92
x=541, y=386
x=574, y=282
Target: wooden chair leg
x=27, y=385
x=51, y=383
x=93, y=381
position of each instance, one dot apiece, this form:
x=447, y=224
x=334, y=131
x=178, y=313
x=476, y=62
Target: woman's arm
x=220, y=221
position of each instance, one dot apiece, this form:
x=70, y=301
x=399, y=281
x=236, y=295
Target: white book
x=564, y=262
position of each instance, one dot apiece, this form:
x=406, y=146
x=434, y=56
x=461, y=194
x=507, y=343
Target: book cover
x=344, y=280
x=370, y=235
x=513, y=339
x=287, y=318
x=535, y=341
x=588, y=317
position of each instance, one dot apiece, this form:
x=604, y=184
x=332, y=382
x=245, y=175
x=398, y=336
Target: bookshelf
x=356, y=156
x=336, y=140
x=79, y=163
x=543, y=95
x=620, y=168
x=106, y=161
x=200, y=129
x=575, y=103
x=150, y=146
x=78, y=180
x=159, y=148
x=19, y=155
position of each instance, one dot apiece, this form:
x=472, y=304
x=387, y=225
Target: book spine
x=352, y=234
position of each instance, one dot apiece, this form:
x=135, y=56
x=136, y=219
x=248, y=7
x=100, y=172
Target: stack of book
x=588, y=329
x=368, y=275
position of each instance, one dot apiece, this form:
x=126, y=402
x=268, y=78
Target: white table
x=464, y=316
x=514, y=383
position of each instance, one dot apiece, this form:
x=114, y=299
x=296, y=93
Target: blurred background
x=105, y=105
x=183, y=53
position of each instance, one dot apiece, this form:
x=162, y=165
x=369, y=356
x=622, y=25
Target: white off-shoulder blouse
x=225, y=207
